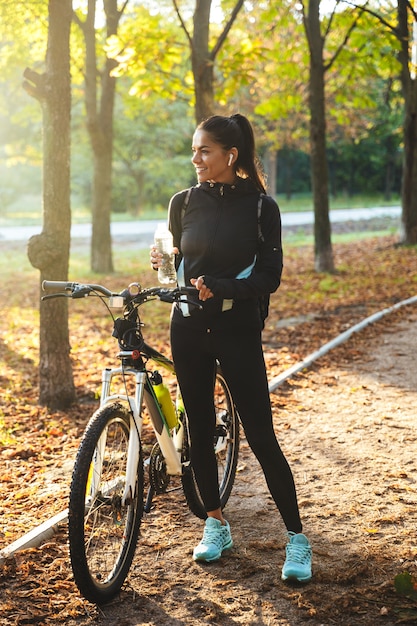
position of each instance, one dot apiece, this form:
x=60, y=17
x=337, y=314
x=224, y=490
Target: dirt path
x=349, y=434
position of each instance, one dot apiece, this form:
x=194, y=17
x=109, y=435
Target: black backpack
x=263, y=301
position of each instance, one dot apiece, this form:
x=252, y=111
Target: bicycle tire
x=103, y=533
x=227, y=458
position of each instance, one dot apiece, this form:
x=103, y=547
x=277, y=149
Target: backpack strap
x=260, y=235
x=185, y=309
x=185, y=202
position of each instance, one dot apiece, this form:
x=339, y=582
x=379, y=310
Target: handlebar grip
x=56, y=284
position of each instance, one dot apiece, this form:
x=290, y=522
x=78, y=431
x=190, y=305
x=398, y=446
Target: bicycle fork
x=170, y=444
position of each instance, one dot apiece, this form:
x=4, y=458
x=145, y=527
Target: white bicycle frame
x=170, y=442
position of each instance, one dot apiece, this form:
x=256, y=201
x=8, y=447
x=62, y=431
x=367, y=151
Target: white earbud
x=230, y=159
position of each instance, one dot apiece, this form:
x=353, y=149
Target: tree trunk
x=289, y=175
x=202, y=58
x=271, y=170
x=409, y=182
x=100, y=128
x=389, y=176
x=319, y=171
x=409, y=87
x=49, y=251
x=202, y=63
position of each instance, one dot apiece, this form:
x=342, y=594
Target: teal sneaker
x=216, y=538
x=297, y=564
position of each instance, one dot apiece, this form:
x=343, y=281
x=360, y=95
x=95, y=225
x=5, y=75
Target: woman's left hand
x=204, y=292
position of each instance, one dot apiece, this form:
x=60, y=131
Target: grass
x=301, y=238
x=304, y=202
x=14, y=259
x=27, y=211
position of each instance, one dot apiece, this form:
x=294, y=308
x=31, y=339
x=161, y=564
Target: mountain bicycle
x=107, y=493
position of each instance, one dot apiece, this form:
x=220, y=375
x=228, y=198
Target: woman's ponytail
x=247, y=160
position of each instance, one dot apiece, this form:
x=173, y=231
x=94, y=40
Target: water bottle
x=164, y=398
x=163, y=243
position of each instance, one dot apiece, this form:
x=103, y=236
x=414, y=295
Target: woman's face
x=212, y=163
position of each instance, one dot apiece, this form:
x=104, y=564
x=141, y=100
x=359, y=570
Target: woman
x=219, y=251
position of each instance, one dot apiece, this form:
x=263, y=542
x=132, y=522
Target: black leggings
x=240, y=355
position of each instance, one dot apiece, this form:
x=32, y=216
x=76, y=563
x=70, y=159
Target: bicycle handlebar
x=74, y=288
x=133, y=292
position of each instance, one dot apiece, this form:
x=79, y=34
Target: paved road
x=144, y=229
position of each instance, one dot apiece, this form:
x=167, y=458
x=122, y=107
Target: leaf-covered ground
x=346, y=426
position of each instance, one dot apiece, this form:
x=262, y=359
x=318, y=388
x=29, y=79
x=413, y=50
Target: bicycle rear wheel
x=102, y=531
x=226, y=445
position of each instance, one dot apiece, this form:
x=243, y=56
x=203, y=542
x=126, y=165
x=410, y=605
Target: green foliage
x=261, y=70
x=23, y=33
x=156, y=60
x=265, y=53
x=406, y=585
x=293, y=171
x=152, y=154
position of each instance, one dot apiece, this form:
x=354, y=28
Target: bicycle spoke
x=103, y=538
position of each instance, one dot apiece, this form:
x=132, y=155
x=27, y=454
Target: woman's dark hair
x=236, y=132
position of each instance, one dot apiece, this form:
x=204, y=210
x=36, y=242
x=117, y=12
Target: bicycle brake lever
x=56, y=295
x=170, y=297
x=81, y=292
x=191, y=302
x=166, y=296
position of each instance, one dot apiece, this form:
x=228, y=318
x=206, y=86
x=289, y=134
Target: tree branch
x=413, y=12
x=35, y=84
x=226, y=29
x=78, y=21
x=329, y=23
x=122, y=10
x=183, y=26
x=376, y=15
x=345, y=39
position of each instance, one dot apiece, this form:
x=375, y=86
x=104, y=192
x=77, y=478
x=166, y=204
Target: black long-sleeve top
x=218, y=238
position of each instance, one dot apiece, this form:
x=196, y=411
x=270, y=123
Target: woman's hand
x=156, y=257
x=204, y=292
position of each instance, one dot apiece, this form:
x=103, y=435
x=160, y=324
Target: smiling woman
x=211, y=161
x=220, y=253
x=224, y=151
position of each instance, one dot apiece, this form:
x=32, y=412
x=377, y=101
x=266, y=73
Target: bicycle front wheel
x=102, y=530
x=226, y=446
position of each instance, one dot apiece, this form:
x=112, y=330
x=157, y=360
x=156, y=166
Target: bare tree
x=202, y=56
x=100, y=109
x=319, y=173
x=409, y=87
x=49, y=251
x=403, y=32
x=323, y=257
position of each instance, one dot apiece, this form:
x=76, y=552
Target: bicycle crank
x=158, y=476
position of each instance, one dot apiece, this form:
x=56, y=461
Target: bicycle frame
x=170, y=442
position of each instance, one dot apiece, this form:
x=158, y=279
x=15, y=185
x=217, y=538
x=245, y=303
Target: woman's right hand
x=156, y=257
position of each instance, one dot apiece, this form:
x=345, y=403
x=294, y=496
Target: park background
x=261, y=69
x=362, y=520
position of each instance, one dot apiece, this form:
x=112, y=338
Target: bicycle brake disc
x=158, y=476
